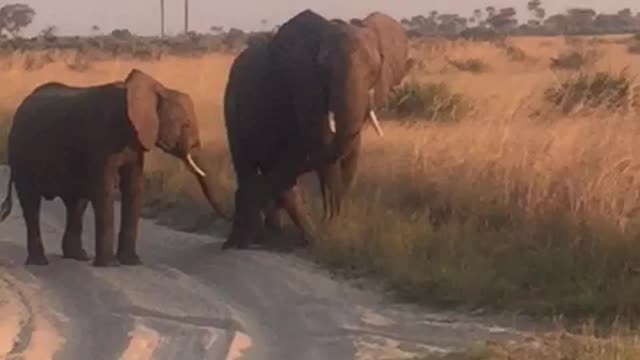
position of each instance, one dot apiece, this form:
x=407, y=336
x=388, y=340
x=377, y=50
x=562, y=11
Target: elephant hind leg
x=30, y=201
x=72, y=239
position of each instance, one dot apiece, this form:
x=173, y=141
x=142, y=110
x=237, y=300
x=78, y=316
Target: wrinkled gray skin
x=80, y=143
x=277, y=104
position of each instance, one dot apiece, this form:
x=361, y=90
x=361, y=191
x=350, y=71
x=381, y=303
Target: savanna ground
x=514, y=197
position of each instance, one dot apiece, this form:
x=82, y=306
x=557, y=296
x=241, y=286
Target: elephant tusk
x=332, y=122
x=376, y=124
x=372, y=114
x=195, y=167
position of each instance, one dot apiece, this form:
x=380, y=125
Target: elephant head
x=166, y=118
x=361, y=62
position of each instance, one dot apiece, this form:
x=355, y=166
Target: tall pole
x=162, y=18
x=186, y=16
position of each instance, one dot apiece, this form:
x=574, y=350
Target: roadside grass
x=556, y=346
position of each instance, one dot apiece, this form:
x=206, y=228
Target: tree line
x=492, y=20
x=479, y=22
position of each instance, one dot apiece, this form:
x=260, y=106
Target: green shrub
x=429, y=101
x=591, y=91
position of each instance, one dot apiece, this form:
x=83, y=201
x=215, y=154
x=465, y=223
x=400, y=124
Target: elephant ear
x=393, y=46
x=142, y=106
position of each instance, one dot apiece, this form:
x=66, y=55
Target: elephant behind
x=79, y=143
x=298, y=103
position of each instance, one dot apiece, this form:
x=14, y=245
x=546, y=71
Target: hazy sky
x=142, y=16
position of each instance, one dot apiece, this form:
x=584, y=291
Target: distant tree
x=422, y=25
x=537, y=11
x=504, y=21
x=215, y=29
x=15, y=17
x=121, y=34
x=491, y=11
x=625, y=13
x=580, y=20
x=477, y=14
x=234, y=38
x=95, y=28
x=557, y=23
x=451, y=24
x=477, y=17
x=49, y=32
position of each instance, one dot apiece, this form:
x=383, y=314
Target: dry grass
x=495, y=210
x=554, y=346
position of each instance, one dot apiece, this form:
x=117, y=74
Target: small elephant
x=297, y=102
x=77, y=142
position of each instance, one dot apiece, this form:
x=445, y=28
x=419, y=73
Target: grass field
x=516, y=206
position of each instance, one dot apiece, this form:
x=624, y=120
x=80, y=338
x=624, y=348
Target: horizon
x=144, y=19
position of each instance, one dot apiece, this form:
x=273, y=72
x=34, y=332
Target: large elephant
x=297, y=103
x=80, y=143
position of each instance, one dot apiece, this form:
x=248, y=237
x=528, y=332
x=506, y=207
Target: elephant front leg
x=131, y=186
x=247, y=221
x=72, y=239
x=102, y=201
x=30, y=202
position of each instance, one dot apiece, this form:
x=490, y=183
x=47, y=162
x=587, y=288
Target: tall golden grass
x=496, y=210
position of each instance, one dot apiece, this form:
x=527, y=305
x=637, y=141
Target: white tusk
x=332, y=122
x=372, y=114
x=195, y=167
x=376, y=124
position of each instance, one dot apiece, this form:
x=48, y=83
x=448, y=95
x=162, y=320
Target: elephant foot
x=229, y=244
x=76, y=254
x=106, y=261
x=304, y=242
x=129, y=259
x=39, y=260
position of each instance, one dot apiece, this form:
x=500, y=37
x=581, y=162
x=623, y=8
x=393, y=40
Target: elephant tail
x=7, y=204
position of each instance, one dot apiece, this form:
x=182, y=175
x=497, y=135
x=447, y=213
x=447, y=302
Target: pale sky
x=142, y=16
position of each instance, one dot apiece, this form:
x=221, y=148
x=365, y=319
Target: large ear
x=394, y=51
x=142, y=106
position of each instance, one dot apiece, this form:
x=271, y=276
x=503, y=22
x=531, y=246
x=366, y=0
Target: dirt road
x=192, y=301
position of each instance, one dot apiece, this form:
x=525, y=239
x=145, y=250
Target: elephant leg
x=274, y=216
x=247, y=221
x=131, y=186
x=72, y=239
x=102, y=200
x=30, y=202
x=292, y=201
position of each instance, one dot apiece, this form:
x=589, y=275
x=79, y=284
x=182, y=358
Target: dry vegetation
x=520, y=204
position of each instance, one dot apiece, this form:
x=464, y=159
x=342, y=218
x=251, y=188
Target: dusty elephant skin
x=76, y=143
x=297, y=103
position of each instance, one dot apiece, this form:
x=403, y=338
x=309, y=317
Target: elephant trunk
x=349, y=108
x=336, y=179
x=204, y=185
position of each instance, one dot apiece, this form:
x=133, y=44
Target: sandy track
x=191, y=301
